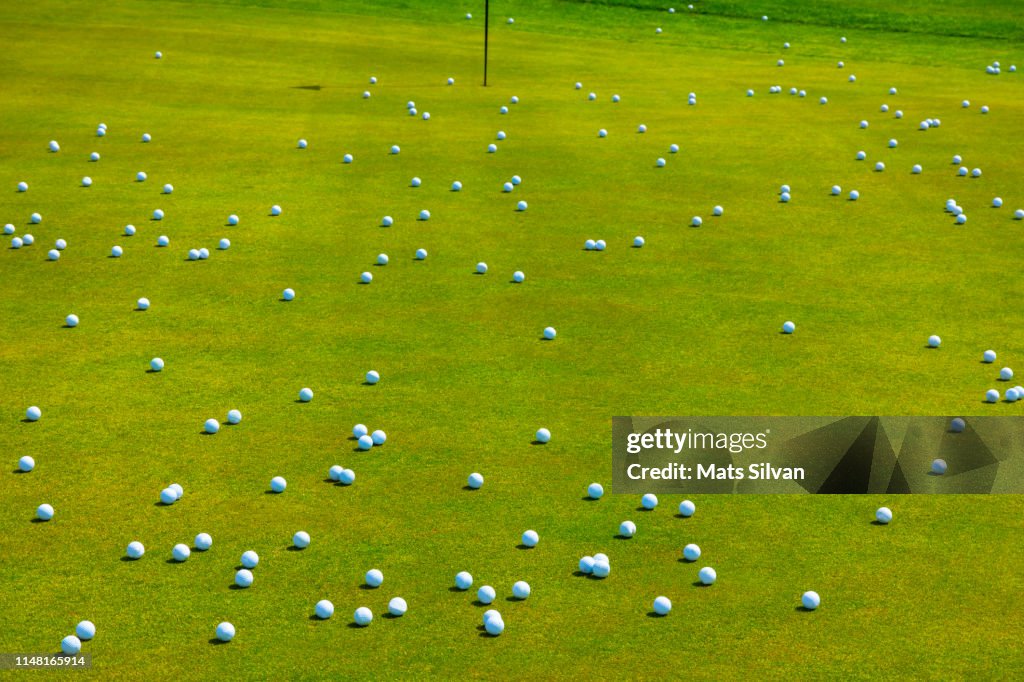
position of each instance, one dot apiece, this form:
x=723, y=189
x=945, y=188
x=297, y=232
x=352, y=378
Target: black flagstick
x=487, y=21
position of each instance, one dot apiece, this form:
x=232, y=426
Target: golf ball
x=44, y=512
x=158, y=214
x=992, y=396
x=687, y=508
x=957, y=425
x=530, y=538
x=481, y=268
x=365, y=442
x=543, y=436
x=382, y=259
x=485, y=595
x=211, y=426
x=116, y=252
x=33, y=414
x=278, y=484
x=697, y=221
x=476, y=481
x=163, y=240
x=250, y=559
x=934, y=341
x=168, y=496
x=595, y=491
x=203, y=542
x=627, y=529
x=347, y=158
x=463, y=580
x=301, y=539
x=662, y=605
x=521, y=590
x=26, y=463
x=638, y=242
x=374, y=578
x=224, y=244
x=71, y=645
x=810, y=600
x=691, y=552
x=649, y=501
x=366, y=278
x=156, y=364
x=372, y=377
x=225, y=632
x=456, y=186
x=549, y=333
x=494, y=626
x=1005, y=374
x=707, y=575
x=71, y=320
x=397, y=606
x=135, y=550
x=181, y=552
x=243, y=577
x=378, y=437
x=359, y=430
x=421, y=254
x=883, y=515
x=602, y=568
x=587, y=565
x=306, y=394
x=275, y=210
x=938, y=466
x=324, y=609
x=518, y=276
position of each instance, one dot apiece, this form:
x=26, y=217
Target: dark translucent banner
x=830, y=455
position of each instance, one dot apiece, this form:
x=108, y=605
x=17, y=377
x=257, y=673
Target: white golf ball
x=976, y=173
x=378, y=437
x=810, y=600
x=660, y=163
x=16, y=243
x=697, y=221
x=687, y=508
x=181, y=552
x=26, y=463
x=22, y=186
x=156, y=364
x=518, y=276
x=938, y=466
x=366, y=277
x=662, y=605
x=424, y=214
x=348, y=158
x=883, y=515
x=957, y=425
x=278, y=484
x=463, y=580
x=673, y=148
x=129, y=230
x=225, y=632
x=627, y=529
x=543, y=436
x=415, y=182
x=275, y=210
x=992, y=396
x=28, y=239
x=984, y=109
x=158, y=214
x=476, y=481
x=503, y=110
x=374, y=578
x=997, y=202
x=359, y=430
x=587, y=565
x=507, y=187
x=595, y=491
x=1005, y=374
x=395, y=149
x=934, y=341
x=168, y=188
x=549, y=334
x=71, y=320
x=146, y=137
x=33, y=413
x=854, y=195
x=365, y=442
x=135, y=550
x=784, y=197
x=71, y=645
x=521, y=590
x=602, y=568
x=211, y=426
x=382, y=259
x=521, y=206
x=95, y=156
x=54, y=147
x=397, y=606
x=491, y=148
x=178, y=490
x=456, y=186
x=426, y=115
x=641, y=128
x=224, y=244
x=163, y=240
x=168, y=496
x=1012, y=395
x=243, y=577
x=250, y=559
x=962, y=171
x=324, y=609
x=691, y=552
x=306, y=394
x=989, y=356
x=44, y=512
x=494, y=626
x=707, y=575
x=485, y=595
x=1018, y=214
x=9, y=229
x=481, y=268
x=638, y=242
x=203, y=542
x=916, y=170
x=879, y=167
x=530, y=538
x=649, y=501
x=301, y=539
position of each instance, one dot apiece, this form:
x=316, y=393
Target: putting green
x=689, y=324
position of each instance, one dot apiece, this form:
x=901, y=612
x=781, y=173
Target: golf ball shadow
x=655, y=614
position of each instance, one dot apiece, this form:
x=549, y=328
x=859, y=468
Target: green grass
x=686, y=325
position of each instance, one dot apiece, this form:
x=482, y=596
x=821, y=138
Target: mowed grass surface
x=686, y=325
